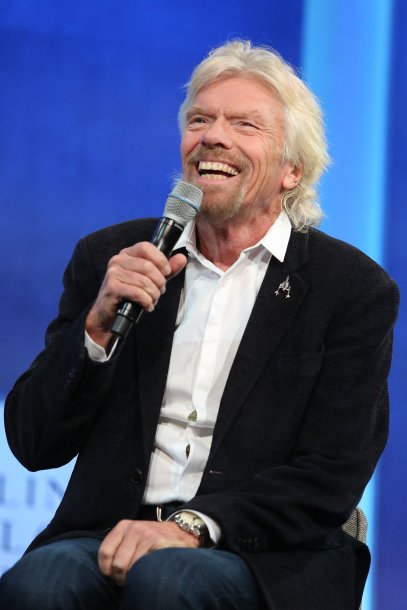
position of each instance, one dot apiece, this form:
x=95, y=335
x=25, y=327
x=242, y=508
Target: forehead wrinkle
x=272, y=107
x=234, y=114
x=197, y=110
x=261, y=85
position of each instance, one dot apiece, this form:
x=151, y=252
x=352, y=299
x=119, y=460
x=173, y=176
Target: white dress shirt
x=214, y=309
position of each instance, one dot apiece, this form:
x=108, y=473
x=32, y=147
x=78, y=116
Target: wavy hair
x=304, y=137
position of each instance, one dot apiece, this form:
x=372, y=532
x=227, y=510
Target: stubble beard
x=217, y=206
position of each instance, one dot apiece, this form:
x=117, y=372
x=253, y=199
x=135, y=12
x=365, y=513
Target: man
x=246, y=410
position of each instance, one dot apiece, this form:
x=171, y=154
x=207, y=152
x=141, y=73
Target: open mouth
x=214, y=169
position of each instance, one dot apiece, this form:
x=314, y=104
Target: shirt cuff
x=96, y=352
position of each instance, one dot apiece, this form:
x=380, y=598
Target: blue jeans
x=64, y=575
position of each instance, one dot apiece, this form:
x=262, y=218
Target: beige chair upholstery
x=356, y=526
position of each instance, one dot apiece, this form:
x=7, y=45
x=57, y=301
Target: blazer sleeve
x=50, y=410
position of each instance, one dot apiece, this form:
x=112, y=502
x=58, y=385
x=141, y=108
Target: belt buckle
x=158, y=511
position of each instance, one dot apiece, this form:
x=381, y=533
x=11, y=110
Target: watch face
x=189, y=522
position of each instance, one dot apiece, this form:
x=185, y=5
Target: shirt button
x=187, y=450
x=193, y=415
x=136, y=476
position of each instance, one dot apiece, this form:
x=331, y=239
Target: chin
x=219, y=210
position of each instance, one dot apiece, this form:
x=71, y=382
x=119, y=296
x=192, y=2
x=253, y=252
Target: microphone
x=181, y=206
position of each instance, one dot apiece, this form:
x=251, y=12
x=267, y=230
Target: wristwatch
x=191, y=523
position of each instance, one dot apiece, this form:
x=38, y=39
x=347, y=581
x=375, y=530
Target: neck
x=222, y=242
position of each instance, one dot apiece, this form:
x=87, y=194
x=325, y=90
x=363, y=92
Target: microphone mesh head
x=183, y=202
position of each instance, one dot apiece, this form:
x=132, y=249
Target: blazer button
x=136, y=476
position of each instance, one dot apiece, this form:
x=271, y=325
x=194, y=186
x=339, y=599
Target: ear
x=292, y=176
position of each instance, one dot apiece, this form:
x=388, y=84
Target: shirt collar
x=277, y=237
x=275, y=240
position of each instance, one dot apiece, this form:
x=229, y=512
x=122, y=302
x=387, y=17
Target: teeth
x=217, y=167
x=214, y=176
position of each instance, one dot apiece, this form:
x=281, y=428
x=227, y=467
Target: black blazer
x=301, y=425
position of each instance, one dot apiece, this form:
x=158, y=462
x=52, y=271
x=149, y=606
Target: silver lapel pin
x=284, y=287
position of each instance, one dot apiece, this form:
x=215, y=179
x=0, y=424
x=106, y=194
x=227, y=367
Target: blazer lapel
x=154, y=336
x=279, y=298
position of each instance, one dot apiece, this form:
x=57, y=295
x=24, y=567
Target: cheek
x=262, y=164
x=260, y=151
x=183, y=149
x=188, y=143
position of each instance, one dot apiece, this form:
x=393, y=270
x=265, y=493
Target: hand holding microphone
x=136, y=277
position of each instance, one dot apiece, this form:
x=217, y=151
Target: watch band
x=191, y=523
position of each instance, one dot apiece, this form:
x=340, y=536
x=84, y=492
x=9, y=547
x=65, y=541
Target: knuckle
x=123, y=523
x=104, y=555
x=114, y=260
x=111, y=274
x=141, y=297
x=142, y=247
x=147, y=267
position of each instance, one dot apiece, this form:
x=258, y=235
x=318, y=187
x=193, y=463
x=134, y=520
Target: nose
x=217, y=134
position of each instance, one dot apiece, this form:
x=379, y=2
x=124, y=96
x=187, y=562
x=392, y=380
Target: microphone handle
x=165, y=237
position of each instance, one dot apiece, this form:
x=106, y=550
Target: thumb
x=177, y=263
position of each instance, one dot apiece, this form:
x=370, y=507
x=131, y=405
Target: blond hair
x=305, y=143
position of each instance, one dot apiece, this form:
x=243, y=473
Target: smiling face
x=232, y=148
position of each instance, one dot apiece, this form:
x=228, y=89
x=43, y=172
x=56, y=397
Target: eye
x=196, y=120
x=247, y=124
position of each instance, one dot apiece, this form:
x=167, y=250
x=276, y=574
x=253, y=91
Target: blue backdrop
x=88, y=103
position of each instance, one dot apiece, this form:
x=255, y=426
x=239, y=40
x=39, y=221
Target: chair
x=356, y=526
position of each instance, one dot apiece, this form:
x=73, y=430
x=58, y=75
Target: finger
x=146, y=250
x=142, y=284
x=117, y=549
x=161, y=536
x=122, y=560
x=139, y=288
x=136, y=534
x=108, y=549
x=141, y=281
x=123, y=265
